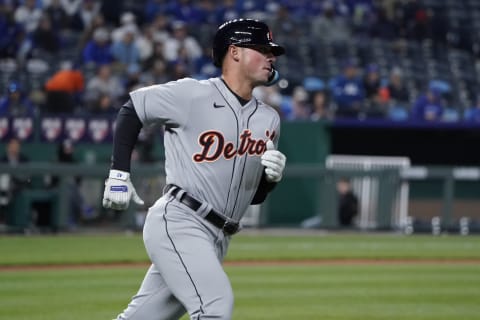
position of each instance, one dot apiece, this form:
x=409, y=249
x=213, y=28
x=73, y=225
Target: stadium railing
x=326, y=203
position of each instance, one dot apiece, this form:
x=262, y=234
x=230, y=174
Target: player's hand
x=274, y=162
x=119, y=191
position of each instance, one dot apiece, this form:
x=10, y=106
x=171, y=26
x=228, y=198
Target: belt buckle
x=230, y=227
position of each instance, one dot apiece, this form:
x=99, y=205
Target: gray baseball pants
x=186, y=274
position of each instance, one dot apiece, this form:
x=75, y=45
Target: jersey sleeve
x=264, y=186
x=167, y=103
x=274, y=124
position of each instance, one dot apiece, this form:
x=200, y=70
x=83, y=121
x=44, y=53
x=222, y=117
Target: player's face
x=257, y=63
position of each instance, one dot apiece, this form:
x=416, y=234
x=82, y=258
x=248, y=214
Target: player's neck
x=240, y=88
x=240, y=99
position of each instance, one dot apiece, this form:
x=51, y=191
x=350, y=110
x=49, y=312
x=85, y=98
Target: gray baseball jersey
x=213, y=146
x=212, y=143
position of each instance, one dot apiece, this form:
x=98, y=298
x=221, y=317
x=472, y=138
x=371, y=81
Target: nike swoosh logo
x=215, y=105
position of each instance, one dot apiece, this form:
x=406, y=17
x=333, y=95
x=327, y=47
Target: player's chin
x=260, y=83
x=262, y=79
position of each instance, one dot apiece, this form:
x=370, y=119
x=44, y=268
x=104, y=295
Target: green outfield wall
x=307, y=189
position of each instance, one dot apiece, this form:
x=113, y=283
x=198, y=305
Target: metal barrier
x=59, y=196
x=367, y=187
x=327, y=202
x=388, y=179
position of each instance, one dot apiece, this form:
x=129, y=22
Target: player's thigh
x=153, y=301
x=186, y=256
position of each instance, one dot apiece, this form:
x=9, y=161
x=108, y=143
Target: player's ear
x=235, y=52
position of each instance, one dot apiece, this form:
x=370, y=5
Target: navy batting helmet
x=242, y=33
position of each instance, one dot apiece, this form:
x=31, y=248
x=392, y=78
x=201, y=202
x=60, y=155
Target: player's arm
x=127, y=129
x=263, y=189
x=119, y=189
x=274, y=163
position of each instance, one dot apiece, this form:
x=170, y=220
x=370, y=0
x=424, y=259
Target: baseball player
x=220, y=158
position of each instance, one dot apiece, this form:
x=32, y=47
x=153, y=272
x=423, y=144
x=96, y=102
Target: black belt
x=215, y=218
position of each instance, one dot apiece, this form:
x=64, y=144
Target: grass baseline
x=343, y=292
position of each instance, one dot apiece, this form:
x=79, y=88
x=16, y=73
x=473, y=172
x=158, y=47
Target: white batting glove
x=274, y=162
x=119, y=191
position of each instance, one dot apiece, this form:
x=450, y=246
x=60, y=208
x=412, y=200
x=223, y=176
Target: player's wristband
x=119, y=175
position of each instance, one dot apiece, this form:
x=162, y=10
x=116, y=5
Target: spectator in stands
x=11, y=185
x=227, y=10
x=98, y=50
x=59, y=18
x=103, y=106
x=83, y=13
x=348, y=205
x=156, y=55
x=377, y=95
x=320, y=106
x=86, y=34
x=283, y=26
x=296, y=107
x=128, y=21
x=330, y=27
x=428, y=106
x=64, y=90
x=348, y=91
x=379, y=105
x=71, y=7
x=318, y=99
x=104, y=82
x=203, y=67
x=208, y=12
x=372, y=80
x=181, y=40
x=13, y=33
x=13, y=154
x=178, y=70
x=160, y=28
x=46, y=40
x=16, y=102
x=186, y=10
x=397, y=89
x=28, y=15
x=14, y=185
x=155, y=74
x=124, y=51
x=154, y=8
x=132, y=80
x=145, y=42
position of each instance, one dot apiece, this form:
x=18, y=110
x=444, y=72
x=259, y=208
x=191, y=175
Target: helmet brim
x=276, y=49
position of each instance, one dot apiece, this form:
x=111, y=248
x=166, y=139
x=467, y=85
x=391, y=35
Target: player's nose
x=271, y=58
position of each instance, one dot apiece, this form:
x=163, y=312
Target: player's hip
x=167, y=214
x=169, y=225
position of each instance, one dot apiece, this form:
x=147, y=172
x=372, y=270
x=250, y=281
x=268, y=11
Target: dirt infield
x=249, y=263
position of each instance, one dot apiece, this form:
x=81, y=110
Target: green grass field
x=344, y=277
